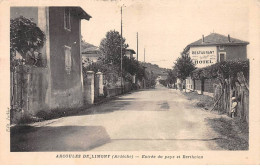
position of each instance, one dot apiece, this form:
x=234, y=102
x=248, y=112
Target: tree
x=184, y=66
x=150, y=79
x=171, y=77
x=24, y=34
x=110, y=47
x=133, y=67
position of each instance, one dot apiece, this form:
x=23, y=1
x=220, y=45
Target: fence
x=240, y=91
x=223, y=93
x=119, y=90
x=205, y=86
x=28, y=88
x=114, y=91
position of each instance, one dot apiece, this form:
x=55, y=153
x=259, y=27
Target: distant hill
x=158, y=71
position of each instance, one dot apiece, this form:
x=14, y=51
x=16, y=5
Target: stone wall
x=28, y=91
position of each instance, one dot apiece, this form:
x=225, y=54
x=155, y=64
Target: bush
x=133, y=67
x=222, y=70
x=25, y=34
x=111, y=72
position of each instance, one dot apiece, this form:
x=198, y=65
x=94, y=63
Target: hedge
x=222, y=70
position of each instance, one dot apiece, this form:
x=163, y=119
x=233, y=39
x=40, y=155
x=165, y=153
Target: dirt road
x=151, y=120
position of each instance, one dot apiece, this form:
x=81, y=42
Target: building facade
x=209, y=50
x=61, y=84
x=129, y=53
x=216, y=48
x=91, y=55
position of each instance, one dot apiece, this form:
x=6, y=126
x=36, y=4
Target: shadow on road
x=123, y=104
x=162, y=139
x=62, y=138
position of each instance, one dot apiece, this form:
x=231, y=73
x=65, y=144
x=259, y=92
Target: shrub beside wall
x=226, y=80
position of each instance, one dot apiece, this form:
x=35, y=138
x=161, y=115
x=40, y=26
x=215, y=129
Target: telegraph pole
x=121, y=52
x=137, y=45
x=144, y=54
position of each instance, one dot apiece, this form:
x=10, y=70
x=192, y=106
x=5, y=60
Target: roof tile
x=218, y=39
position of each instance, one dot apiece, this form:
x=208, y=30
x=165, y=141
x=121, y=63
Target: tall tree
x=110, y=47
x=24, y=34
x=132, y=66
x=171, y=76
x=184, y=66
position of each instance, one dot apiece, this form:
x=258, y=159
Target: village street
x=147, y=120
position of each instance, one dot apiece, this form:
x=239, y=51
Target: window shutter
x=68, y=59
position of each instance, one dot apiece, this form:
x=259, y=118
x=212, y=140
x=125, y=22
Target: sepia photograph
x=132, y=76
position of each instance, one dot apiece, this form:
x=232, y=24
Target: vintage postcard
x=130, y=82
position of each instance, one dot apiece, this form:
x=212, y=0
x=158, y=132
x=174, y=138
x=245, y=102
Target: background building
x=216, y=48
x=129, y=53
x=91, y=55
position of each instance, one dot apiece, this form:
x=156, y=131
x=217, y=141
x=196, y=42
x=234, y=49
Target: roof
x=131, y=50
x=94, y=48
x=91, y=50
x=217, y=39
x=79, y=12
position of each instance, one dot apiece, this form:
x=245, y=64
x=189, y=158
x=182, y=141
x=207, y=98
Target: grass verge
x=201, y=101
x=234, y=134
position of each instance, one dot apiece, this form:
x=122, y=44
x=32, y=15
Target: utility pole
x=144, y=54
x=121, y=52
x=137, y=45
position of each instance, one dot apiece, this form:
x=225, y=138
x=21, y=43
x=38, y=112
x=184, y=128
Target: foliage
x=24, y=34
x=133, y=67
x=14, y=63
x=222, y=70
x=101, y=67
x=110, y=47
x=183, y=66
x=111, y=73
x=171, y=77
x=150, y=79
x=163, y=82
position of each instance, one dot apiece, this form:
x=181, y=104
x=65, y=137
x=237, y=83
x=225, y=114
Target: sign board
x=203, y=56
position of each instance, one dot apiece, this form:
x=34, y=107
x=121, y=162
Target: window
x=67, y=25
x=222, y=56
x=221, y=47
x=67, y=51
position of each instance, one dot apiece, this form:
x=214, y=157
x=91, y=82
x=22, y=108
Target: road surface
x=158, y=119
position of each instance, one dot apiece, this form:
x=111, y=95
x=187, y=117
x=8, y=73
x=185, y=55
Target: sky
x=165, y=27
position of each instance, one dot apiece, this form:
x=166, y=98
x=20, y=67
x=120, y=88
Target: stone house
x=60, y=84
x=216, y=48
x=209, y=50
x=91, y=55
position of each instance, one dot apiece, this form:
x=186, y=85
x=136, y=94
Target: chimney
x=203, y=39
x=229, y=38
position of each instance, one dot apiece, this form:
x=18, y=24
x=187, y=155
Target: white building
x=129, y=53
